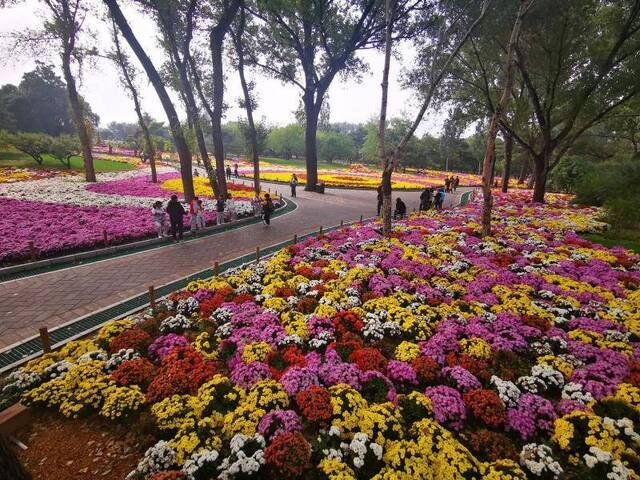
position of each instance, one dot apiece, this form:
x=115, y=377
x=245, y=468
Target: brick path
x=55, y=298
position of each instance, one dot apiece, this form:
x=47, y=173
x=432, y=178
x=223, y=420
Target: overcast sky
x=350, y=101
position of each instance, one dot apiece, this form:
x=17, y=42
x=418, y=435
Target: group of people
x=225, y=209
x=451, y=183
x=430, y=198
x=235, y=171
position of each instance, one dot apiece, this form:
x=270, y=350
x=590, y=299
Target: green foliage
x=63, y=148
x=568, y=172
x=334, y=145
x=38, y=104
x=615, y=185
x=33, y=144
x=287, y=141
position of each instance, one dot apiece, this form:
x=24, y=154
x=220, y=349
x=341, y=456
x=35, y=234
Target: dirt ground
x=64, y=449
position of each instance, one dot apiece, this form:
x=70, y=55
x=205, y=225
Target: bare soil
x=68, y=449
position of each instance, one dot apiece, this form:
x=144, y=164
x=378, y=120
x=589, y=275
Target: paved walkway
x=57, y=297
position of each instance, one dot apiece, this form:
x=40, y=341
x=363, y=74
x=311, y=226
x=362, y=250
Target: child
x=220, y=210
x=267, y=209
x=159, y=219
x=230, y=208
x=195, y=209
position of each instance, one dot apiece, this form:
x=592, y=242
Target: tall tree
x=579, y=65
x=65, y=24
x=489, y=158
x=248, y=101
x=127, y=78
x=174, y=122
x=177, y=23
x=433, y=63
x=387, y=165
x=320, y=38
x=217, y=33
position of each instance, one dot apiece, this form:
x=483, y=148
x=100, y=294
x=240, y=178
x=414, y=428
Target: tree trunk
x=149, y=147
x=248, y=104
x=78, y=116
x=487, y=199
x=174, y=122
x=312, y=112
x=386, y=160
x=508, y=151
x=151, y=151
x=524, y=170
x=539, y=178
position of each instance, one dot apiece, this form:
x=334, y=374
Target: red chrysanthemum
x=315, y=404
x=345, y=322
x=486, y=406
x=492, y=446
x=369, y=359
x=427, y=368
x=289, y=455
x=134, y=338
x=134, y=372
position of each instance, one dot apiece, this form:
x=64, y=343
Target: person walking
x=228, y=171
x=440, y=198
x=380, y=198
x=220, y=210
x=426, y=197
x=267, y=209
x=159, y=219
x=401, y=209
x=235, y=170
x=293, y=183
x=230, y=208
x=447, y=184
x=456, y=183
x=176, y=211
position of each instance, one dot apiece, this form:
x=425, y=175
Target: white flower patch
x=290, y=340
x=359, y=447
x=156, y=459
x=539, y=461
x=574, y=391
x=549, y=376
x=188, y=306
x=93, y=355
x=118, y=358
x=238, y=462
x=321, y=340
x=203, y=461
x=224, y=330
x=20, y=380
x=175, y=324
x=221, y=315
x=57, y=370
x=376, y=327
x=508, y=392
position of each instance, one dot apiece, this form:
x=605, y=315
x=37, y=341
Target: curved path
x=57, y=297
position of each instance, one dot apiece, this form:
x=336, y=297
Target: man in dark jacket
x=176, y=211
x=426, y=197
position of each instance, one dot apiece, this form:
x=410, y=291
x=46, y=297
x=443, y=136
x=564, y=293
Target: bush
x=615, y=185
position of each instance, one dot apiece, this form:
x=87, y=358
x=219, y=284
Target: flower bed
x=12, y=175
x=429, y=354
x=357, y=176
x=63, y=214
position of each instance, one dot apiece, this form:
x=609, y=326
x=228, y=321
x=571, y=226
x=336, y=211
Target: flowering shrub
x=430, y=353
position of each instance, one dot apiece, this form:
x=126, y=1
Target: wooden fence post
x=32, y=251
x=360, y=218
x=295, y=238
x=216, y=269
x=152, y=297
x=257, y=254
x=44, y=337
x=341, y=223
x=320, y=232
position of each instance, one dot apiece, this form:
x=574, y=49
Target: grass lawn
x=13, y=158
x=632, y=243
